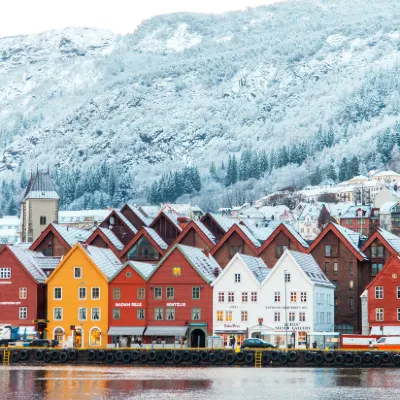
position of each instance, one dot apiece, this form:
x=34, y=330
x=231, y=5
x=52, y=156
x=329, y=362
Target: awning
x=126, y=330
x=387, y=330
x=166, y=331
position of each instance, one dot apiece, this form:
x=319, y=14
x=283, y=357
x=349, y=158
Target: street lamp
x=286, y=322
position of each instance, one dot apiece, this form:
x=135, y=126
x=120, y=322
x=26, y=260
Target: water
x=62, y=383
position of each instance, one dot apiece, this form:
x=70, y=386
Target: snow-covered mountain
x=192, y=89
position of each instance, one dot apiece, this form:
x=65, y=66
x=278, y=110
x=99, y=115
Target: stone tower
x=39, y=206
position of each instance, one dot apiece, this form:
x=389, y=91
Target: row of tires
x=41, y=355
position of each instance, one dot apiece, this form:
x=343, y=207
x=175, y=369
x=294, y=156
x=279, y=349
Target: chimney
x=183, y=221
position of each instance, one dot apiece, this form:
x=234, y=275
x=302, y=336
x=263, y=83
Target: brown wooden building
x=123, y=229
x=196, y=234
x=218, y=225
x=167, y=226
x=106, y=239
x=136, y=217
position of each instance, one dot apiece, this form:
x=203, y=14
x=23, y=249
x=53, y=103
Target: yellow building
x=77, y=296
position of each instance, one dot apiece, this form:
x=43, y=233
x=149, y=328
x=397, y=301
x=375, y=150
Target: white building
x=297, y=298
x=236, y=297
x=9, y=229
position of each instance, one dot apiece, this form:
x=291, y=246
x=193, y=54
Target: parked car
x=256, y=343
x=386, y=343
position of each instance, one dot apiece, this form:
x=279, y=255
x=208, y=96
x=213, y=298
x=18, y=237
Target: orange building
x=77, y=296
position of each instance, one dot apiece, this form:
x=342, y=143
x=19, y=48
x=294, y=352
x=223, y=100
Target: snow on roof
x=29, y=260
x=385, y=173
x=206, y=266
x=112, y=238
x=359, y=178
x=182, y=209
x=83, y=216
x=224, y=222
x=297, y=235
x=250, y=235
x=206, y=231
x=150, y=211
x=10, y=221
x=105, y=260
x=256, y=266
x=48, y=262
x=337, y=209
x=352, y=212
x=126, y=221
x=307, y=263
x=387, y=207
x=352, y=237
x=156, y=237
x=392, y=239
x=41, y=187
x=143, y=269
x=72, y=235
x=273, y=212
x=147, y=220
x=313, y=210
x=174, y=218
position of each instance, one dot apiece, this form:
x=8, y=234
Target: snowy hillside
x=318, y=76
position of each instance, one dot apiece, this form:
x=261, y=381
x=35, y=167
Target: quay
x=202, y=357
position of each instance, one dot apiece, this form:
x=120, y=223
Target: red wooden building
x=106, y=239
x=196, y=234
x=362, y=219
x=167, y=226
x=123, y=229
x=128, y=294
x=136, y=217
x=180, y=300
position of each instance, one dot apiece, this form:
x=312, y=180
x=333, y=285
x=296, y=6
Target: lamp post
x=286, y=322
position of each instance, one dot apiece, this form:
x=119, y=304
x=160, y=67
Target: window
x=335, y=283
x=254, y=297
x=379, y=314
x=287, y=277
x=322, y=316
x=196, y=293
x=82, y=293
x=328, y=317
x=335, y=267
x=237, y=278
x=116, y=313
x=95, y=293
x=351, y=303
x=235, y=249
x=58, y=334
x=398, y=314
x=378, y=292
x=176, y=271
x=344, y=328
x=279, y=250
x=196, y=314
x=277, y=316
x=128, y=274
x=220, y=316
x=170, y=313
x=140, y=313
x=336, y=303
x=331, y=250
x=317, y=317
x=245, y=297
x=170, y=293
x=293, y=297
x=292, y=316
x=141, y=293
x=380, y=251
x=327, y=268
x=23, y=312
x=231, y=297
x=82, y=314
x=42, y=220
x=158, y=313
x=58, y=312
x=277, y=297
x=96, y=314
x=22, y=293
x=77, y=272
x=303, y=297
x=228, y=315
x=116, y=293
x=221, y=297
x=5, y=273
x=157, y=293
x=57, y=293
x=351, y=268
x=302, y=316
x=398, y=292
x=244, y=316
x=95, y=337
x=376, y=268
x=328, y=300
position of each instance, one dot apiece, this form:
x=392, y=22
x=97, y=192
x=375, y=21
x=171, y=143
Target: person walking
x=233, y=342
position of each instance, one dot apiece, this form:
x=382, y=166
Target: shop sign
x=128, y=304
x=176, y=304
x=293, y=326
x=232, y=326
x=10, y=303
x=288, y=307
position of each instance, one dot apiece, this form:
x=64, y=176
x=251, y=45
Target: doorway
x=78, y=337
x=198, y=338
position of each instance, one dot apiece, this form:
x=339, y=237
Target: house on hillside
x=312, y=220
x=390, y=217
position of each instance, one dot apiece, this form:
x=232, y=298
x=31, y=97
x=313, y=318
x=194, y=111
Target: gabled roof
x=206, y=266
x=388, y=264
x=224, y=223
x=126, y=221
x=143, y=217
x=350, y=239
x=352, y=212
x=387, y=207
x=312, y=210
x=385, y=173
x=143, y=269
x=201, y=229
x=108, y=236
x=172, y=218
x=41, y=187
x=390, y=239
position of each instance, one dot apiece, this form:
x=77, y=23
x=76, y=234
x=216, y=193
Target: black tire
x=23, y=355
x=177, y=358
x=339, y=359
x=204, y=355
x=91, y=355
x=240, y=356
x=101, y=355
x=249, y=358
x=63, y=357
x=14, y=357
x=376, y=359
x=73, y=355
x=318, y=358
x=283, y=358
x=118, y=355
x=110, y=358
x=195, y=358
x=221, y=355
x=266, y=358
x=386, y=357
x=186, y=356
x=348, y=358
x=308, y=356
x=169, y=354
x=160, y=359
x=39, y=354
x=47, y=357
x=144, y=357
x=230, y=358
x=275, y=355
x=330, y=356
x=213, y=358
x=152, y=355
x=367, y=357
x=126, y=358
x=55, y=355
x=357, y=359
x=135, y=355
x=292, y=355
x=396, y=359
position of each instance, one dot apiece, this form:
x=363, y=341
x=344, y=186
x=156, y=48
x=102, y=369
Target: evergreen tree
x=331, y=174
x=354, y=167
x=213, y=171
x=234, y=170
x=343, y=170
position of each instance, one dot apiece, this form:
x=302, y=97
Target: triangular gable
x=50, y=229
x=77, y=247
x=192, y=225
x=126, y=223
x=377, y=235
x=234, y=229
x=99, y=233
x=331, y=227
x=163, y=214
x=145, y=220
x=209, y=215
x=383, y=270
x=132, y=266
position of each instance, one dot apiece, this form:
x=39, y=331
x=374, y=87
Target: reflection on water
x=62, y=383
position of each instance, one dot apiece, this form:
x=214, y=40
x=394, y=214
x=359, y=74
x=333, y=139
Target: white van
x=386, y=342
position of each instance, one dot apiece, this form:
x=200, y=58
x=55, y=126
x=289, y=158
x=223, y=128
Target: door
x=198, y=338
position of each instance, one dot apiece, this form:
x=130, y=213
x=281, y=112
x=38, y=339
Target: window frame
x=193, y=310
x=237, y=278
x=169, y=296
x=139, y=315
x=156, y=289
x=198, y=290
x=221, y=297
x=244, y=316
x=82, y=308
x=379, y=293
x=5, y=273
x=245, y=297
x=139, y=296
x=91, y=292
x=79, y=293
x=80, y=272
x=23, y=310
x=23, y=293
x=381, y=312
x=158, y=309
x=117, y=290
x=91, y=313
x=172, y=312
x=54, y=313
x=54, y=293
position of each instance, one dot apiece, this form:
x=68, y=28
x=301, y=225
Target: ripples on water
x=62, y=383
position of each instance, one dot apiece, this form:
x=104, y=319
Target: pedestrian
x=233, y=342
x=140, y=342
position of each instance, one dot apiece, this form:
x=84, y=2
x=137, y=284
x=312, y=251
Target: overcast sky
x=119, y=16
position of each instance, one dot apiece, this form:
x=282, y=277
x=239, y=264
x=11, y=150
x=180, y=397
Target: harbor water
x=62, y=383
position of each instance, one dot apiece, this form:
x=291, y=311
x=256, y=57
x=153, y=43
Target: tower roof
x=40, y=186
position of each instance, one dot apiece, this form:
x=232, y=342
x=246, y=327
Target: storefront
x=126, y=336
x=166, y=336
x=229, y=334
